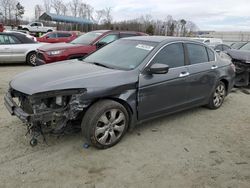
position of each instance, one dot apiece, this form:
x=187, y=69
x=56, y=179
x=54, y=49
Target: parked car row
x=81, y=46
x=118, y=86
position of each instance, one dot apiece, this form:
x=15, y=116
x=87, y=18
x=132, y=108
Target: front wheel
x=105, y=123
x=218, y=96
x=31, y=58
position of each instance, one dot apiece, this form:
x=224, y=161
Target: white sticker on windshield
x=144, y=47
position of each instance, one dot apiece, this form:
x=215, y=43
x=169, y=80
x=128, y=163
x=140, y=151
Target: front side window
x=171, y=55
x=197, y=53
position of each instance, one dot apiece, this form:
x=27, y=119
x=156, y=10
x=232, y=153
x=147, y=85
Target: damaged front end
x=48, y=112
x=241, y=60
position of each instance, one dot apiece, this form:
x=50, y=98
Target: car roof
x=22, y=37
x=160, y=39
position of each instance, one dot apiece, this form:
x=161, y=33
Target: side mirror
x=158, y=68
x=218, y=51
x=100, y=44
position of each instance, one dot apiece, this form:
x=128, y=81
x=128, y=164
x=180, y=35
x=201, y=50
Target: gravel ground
x=196, y=148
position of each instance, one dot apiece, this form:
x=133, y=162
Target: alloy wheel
x=110, y=126
x=219, y=95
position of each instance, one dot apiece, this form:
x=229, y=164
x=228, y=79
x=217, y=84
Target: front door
x=164, y=93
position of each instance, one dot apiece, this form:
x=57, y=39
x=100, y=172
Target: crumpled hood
x=242, y=55
x=71, y=74
x=58, y=46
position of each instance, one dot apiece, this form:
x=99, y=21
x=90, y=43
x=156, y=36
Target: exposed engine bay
x=241, y=60
x=49, y=112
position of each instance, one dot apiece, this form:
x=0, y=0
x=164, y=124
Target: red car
x=81, y=46
x=1, y=27
x=57, y=36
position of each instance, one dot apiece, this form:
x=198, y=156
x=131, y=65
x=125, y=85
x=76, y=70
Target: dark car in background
x=124, y=83
x=57, y=36
x=81, y=46
x=237, y=45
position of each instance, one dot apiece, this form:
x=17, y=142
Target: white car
x=209, y=41
x=36, y=27
x=17, y=48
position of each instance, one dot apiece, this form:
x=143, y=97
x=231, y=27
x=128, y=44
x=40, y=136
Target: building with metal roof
x=66, y=19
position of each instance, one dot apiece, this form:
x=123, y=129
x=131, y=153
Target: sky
x=215, y=15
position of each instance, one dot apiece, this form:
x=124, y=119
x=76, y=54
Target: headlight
x=56, y=52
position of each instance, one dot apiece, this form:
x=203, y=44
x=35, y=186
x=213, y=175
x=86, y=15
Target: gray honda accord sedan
x=123, y=84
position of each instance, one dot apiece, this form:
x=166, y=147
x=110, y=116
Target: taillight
x=233, y=67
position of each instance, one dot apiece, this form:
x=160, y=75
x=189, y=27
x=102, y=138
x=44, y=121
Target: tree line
x=12, y=12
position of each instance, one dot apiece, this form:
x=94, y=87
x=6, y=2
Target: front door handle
x=214, y=67
x=184, y=74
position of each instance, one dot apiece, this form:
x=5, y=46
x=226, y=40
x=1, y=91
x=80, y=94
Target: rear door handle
x=184, y=74
x=214, y=67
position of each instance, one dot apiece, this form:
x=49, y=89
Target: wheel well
x=122, y=102
x=30, y=53
x=49, y=30
x=225, y=82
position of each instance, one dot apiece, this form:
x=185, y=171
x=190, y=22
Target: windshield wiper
x=100, y=64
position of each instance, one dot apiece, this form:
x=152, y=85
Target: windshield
x=245, y=47
x=237, y=45
x=122, y=54
x=87, y=38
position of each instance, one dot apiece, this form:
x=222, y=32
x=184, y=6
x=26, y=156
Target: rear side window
x=211, y=55
x=14, y=40
x=171, y=55
x=61, y=35
x=52, y=35
x=197, y=53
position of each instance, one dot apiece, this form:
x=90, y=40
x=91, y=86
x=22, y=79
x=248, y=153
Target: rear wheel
x=218, y=96
x=105, y=123
x=31, y=58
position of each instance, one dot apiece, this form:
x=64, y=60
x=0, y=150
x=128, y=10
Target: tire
x=104, y=121
x=49, y=30
x=218, y=96
x=31, y=59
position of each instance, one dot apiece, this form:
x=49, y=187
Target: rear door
x=164, y=93
x=203, y=72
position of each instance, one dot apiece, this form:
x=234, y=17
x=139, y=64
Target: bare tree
x=64, y=9
x=47, y=5
x=99, y=16
x=38, y=11
x=107, y=17
x=74, y=7
x=57, y=5
x=4, y=9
